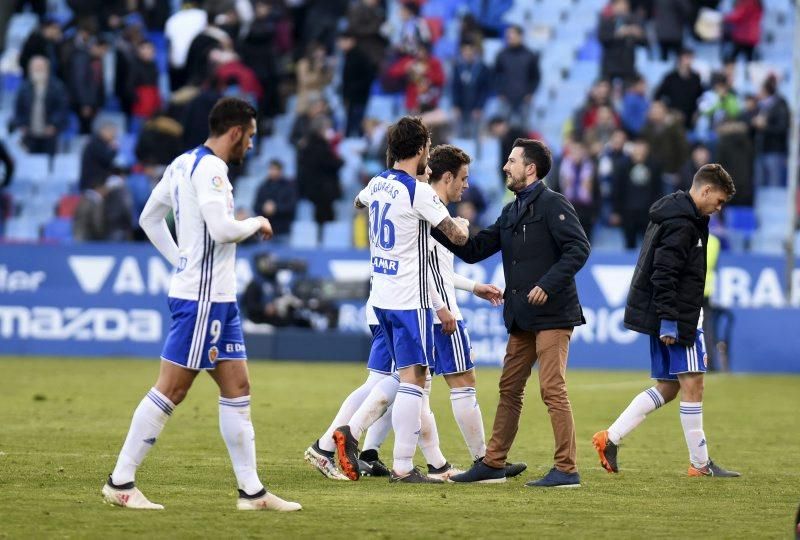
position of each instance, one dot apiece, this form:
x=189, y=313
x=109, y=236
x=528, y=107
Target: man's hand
x=668, y=340
x=537, y=296
x=447, y=320
x=464, y=222
x=266, y=228
x=269, y=208
x=488, y=292
x=358, y=204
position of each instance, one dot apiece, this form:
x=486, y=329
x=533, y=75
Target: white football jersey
x=441, y=263
x=206, y=269
x=401, y=212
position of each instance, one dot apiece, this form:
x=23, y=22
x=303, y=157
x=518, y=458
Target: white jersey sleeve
x=214, y=197
x=427, y=204
x=154, y=225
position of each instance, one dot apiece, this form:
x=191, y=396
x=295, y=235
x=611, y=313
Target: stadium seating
x=337, y=235
x=304, y=234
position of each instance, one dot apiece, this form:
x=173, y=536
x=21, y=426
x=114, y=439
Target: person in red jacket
x=744, y=28
x=424, y=78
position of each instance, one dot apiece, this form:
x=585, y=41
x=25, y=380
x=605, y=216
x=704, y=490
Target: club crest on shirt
x=213, y=353
x=217, y=183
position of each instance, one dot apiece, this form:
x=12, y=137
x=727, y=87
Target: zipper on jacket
x=523, y=233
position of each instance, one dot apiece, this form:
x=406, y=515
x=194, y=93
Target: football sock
x=349, y=406
x=148, y=420
x=692, y=422
x=240, y=438
x=429, y=433
x=642, y=405
x=469, y=419
x=406, y=424
x=378, y=431
x=374, y=406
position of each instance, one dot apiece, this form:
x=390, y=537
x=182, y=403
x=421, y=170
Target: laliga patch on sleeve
x=436, y=201
x=217, y=183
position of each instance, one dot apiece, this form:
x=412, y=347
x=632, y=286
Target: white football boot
x=323, y=464
x=128, y=496
x=266, y=501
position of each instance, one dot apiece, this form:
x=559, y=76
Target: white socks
x=348, y=408
x=406, y=424
x=470, y=421
x=429, y=433
x=641, y=406
x=692, y=422
x=374, y=406
x=378, y=431
x=148, y=420
x=237, y=431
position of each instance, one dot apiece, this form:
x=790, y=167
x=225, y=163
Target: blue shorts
x=667, y=361
x=380, y=361
x=451, y=353
x=408, y=334
x=202, y=334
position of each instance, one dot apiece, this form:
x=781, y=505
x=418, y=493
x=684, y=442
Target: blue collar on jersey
x=200, y=152
x=404, y=178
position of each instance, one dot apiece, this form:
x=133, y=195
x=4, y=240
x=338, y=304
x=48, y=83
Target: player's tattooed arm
x=455, y=231
x=358, y=204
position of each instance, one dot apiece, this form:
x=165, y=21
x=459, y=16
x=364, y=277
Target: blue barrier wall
x=109, y=300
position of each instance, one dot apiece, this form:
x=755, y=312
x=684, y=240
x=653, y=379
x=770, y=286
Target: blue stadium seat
x=58, y=230
x=742, y=224
x=337, y=235
x=304, y=234
x=305, y=210
x=67, y=166
x=36, y=167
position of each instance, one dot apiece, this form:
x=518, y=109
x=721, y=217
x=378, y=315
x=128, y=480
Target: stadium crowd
x=159, y=67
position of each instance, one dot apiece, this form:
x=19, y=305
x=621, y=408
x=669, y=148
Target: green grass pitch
x=63, y=421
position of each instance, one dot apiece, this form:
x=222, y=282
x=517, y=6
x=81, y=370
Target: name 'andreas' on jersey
x=401, y=212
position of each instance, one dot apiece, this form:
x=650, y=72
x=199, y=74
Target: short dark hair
x=446, y=158
x=535, y=152
x=229, y=112
x=714, y=174
x=276, y=163
x=406, y=138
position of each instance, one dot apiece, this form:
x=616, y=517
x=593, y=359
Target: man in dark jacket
x=358, y=73
x=97, y=161
x=665, y=302
x=543, y=247
x=41, y=110
x=517, y=76
x=620, y=33
x=772, y=134
x=470, y=90
x=86, y=81
x=637, y=185
x=43, y=41
x=276, y=200
x=681, y=88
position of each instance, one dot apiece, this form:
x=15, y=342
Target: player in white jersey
x=206, y=333
x=401, y=212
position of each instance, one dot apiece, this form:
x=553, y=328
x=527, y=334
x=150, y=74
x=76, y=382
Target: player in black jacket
x=665, y=301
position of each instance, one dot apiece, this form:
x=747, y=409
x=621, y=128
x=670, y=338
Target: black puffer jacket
x=670, y=274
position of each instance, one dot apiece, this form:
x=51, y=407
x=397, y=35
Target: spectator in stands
x=681, y=88
x=736, y=154
x=144, y=81
x=44, y=41
x=364, y=21
x=322, y=20
x=160, y=141
x=181, y=29
x=772, y=134
x=318, y=171
x=314, y=73
x=374, y=151
x=358, y=74
x=258, y=51
x=86, y=81
x=577, y=181
x=424, y=78
x=117, y=211
x=195, y=114
x=470, y=90
x=620, y=33
x=41, y=110
x=317, y=108
x=718, y=104
x=505, y=133
x=744, y=24
x=635, y=105
x=586, y=116
x=517, y=77
x=468, y=211
x=88, y=223
x=198, y=67
x=637, y=185
x=97, y=161
x=6, y=174
x=609, y=160
x=412, y=32
x=701, y=155
x=605, y=124
x=669, y=147
x=476, y=201
x=276, y=200
x=125, y=53
x=669, y=19
x=235, y=78
x=489, y=16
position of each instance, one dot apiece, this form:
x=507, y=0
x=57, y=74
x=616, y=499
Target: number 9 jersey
x=401, y=212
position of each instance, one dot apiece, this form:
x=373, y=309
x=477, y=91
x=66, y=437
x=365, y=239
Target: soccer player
x=401, y=212
x=206, y=333
x=665, y=301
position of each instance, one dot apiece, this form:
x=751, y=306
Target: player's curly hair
x=446, y=158
x=227, y=113
x=406, y=138
x=715, y=175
